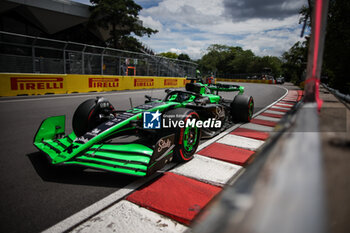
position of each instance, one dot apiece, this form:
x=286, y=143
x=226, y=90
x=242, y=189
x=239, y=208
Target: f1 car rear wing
x=225, y=87
x=199, y=87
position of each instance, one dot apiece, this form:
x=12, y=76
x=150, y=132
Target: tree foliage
x=184, y=57
x=294, y=61
x=169, y=55
x=120, y=18
x=337, y=45
x=227, y=61
x=336, y=48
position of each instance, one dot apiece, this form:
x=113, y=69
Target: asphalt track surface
x=35, y=195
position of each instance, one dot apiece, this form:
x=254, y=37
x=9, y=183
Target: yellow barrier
x=12, y=84
x=32, y=84
x=247, y=80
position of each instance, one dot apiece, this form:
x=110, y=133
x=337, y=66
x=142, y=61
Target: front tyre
x=186, y=138
x=90, y=114
x=242, y=108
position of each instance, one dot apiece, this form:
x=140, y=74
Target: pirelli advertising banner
x=93, y=83
x=31, y=84
x=41, y=84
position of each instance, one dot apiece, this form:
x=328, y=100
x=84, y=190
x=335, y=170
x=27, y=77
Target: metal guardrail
x=337, y=93
x=28, y=54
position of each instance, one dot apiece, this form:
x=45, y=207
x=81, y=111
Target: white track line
x=95, y=208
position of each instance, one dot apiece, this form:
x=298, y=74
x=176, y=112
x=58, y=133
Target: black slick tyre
x=90, y=114
x=242, y=108
x=82, y=117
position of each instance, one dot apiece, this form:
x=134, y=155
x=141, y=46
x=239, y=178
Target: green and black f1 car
x=165, y=129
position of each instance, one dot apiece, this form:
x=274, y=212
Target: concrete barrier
x=13, y=84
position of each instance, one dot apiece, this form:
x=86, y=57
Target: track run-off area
x=35, y=195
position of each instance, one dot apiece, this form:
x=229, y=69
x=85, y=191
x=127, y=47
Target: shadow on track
x=76, y=175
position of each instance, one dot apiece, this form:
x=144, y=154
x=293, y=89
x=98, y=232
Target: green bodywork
x=95, y=152
x=133, y=159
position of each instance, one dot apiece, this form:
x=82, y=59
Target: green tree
x=241, y=60
x=169, y=55
x=274, y=63
x=120, y=18
x=215, y=59
x=184, y=57
x=227, y=61
x=337, y=43
x=294, y=62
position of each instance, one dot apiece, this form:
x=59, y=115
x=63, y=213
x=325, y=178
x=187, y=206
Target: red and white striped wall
x=171, y=202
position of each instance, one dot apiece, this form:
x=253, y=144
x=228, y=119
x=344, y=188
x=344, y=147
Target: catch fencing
x=27, y=54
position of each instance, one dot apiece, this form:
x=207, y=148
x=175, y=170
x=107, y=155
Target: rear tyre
x=187, y=138
x=242, y=108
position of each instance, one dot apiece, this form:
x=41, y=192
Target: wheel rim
x=190, y=138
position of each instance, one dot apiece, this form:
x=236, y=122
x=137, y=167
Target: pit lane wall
x=246, y=80
x=13, y=84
